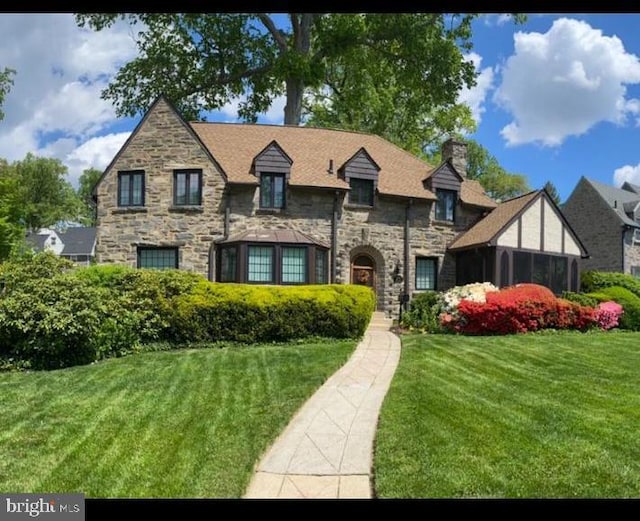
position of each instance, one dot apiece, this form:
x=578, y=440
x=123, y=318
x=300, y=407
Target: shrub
x=608, y=314
x=29, y=267
x=65, y=322
x=593, y=281
x=145, y=292
x=518, y=309
x=475, y=292
x=580, y=298
x=247, y=313
x=423, y=313
x=629, y=301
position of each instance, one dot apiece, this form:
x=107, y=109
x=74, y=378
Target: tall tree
x=88, y=180
x=45, y=196
x=374, y=100
x=6, y=82
x=552, y=191
x=485, y=168
x=201, y=61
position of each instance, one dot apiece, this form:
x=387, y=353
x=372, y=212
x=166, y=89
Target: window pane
x=160, y=258
x=445, y=205
x=321, y=267
x=521, y=267
x=124, y=189
x=181, y=189
x=294, y=265
x=137, y=190
x=228, y=265
x=425, y=274
x=265, y=191
x=541, y=271
x=194, y=188
x=278, y=191
x=361, y=191
x=558, y=274
x=260, y=264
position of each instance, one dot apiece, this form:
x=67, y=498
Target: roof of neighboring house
x=79, y=240
x=619, y=200
x=278, y=236
x=630, y=187
x=486, y=229
x=235, y=146
x=37, y=240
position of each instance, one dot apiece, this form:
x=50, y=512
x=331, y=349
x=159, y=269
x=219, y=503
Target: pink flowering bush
x=608, y=314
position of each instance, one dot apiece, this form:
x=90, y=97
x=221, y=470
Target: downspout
x=407, y=237
x=227, y=215
x=334, y=239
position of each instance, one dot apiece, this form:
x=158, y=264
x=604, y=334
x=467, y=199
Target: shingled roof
x=235, y=146
x=486, y=229
x=619, y=200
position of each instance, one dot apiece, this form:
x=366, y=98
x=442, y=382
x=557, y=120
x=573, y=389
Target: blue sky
x=557, y=97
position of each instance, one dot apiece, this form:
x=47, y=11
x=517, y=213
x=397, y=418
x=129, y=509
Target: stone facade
x=602, y=236
x=163, y=142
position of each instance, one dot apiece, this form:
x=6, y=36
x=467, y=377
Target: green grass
x=536, y=415
x=189, y=423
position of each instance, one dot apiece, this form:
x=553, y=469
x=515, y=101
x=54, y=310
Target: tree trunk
x=293, y=108
x=301, y=25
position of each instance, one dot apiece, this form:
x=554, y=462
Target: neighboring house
x=75, y=243
x=607, y=219
x=269, y=204
x=525, y=239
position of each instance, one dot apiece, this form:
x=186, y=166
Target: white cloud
x=475, y=96
x=565, y=81
x=54, y=108
x=97, y=153
x=627, y=173
x=497, y=19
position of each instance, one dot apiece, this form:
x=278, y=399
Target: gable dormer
x=272, y=167
x=445, y=182
x=361, y=172
x=274, y=159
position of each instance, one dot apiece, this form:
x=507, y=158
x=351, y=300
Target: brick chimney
x=456, y=152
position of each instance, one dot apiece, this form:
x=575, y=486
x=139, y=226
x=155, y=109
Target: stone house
x=270, y=204
x=608, y=222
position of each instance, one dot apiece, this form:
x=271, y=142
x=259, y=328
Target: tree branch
x=277, y=35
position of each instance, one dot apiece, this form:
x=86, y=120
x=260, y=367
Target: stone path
x=326, y=450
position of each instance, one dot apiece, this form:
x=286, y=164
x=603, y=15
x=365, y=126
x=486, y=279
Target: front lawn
x=534, y=415
x=189, y=423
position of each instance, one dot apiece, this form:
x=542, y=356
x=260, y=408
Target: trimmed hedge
x=247, y=313
x=629, y=301
x=580, y=298
x=29, y=267
x=593, y=281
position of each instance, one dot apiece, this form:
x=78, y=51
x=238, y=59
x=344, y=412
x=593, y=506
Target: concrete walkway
x=326, y=450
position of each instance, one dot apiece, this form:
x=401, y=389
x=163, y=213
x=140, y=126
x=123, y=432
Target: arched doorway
x=363, y=271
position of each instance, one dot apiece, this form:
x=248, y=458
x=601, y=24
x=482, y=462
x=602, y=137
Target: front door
x=363, y=271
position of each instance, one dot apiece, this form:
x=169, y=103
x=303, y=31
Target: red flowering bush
x=608, y=314
x=518, y=309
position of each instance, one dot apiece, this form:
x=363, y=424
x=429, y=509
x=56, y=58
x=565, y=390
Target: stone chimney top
x=456, y=152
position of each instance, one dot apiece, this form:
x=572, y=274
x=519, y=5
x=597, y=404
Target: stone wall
x=631, y=252
x=161, y=144
x=597, y=226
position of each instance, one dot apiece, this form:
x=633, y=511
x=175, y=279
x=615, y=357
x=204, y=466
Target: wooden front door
x=363, y=271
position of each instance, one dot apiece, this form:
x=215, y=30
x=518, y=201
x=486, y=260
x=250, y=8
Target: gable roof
x=235, y=145
x=617, y=199
x=37, y=240
x=79, y=240
x=487, y=228
x=629, y=187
